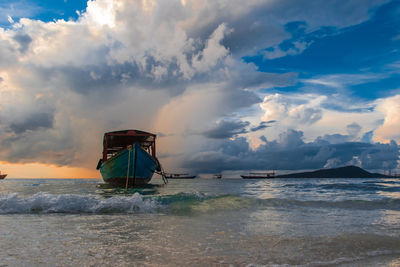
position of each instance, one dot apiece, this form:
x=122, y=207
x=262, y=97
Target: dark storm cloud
x=227, y=129
x=261, y=126
x=36, y=140
x=235, y=98
x=231, y=128
x=334, y=138
x=105, y=64
x=23, y=40
x=103, y=78
x=33, y=122
x=353, y=129
x=290, y=152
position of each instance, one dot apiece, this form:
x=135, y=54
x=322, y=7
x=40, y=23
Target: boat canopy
x=116, y=141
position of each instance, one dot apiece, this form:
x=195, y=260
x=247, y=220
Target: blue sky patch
x=366, y=48
x=46, y=10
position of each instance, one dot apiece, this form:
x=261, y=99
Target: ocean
x=201, y=222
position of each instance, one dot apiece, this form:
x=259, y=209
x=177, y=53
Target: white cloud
x=311, y=114
x=164, y=66
x=341, y=81
x=9, y=18
x=294, y=109
x=213, y=50
x=390, y=129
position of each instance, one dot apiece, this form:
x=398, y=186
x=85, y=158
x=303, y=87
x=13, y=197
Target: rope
x=165, y=179
x=162, y=173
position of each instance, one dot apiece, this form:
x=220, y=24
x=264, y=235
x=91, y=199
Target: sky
x=226, y=85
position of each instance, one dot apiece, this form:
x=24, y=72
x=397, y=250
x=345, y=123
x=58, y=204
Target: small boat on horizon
x=217, y=176
x=2, y=176
x=259, y=175
x=179, y=176
x=129, y=158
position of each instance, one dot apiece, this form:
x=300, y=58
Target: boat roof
x=129, y=133
x=117, y=140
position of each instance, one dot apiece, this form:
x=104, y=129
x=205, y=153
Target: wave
x=74, y=204
x=365, y=186
x=178, y=204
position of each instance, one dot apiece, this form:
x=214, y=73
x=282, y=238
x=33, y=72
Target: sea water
x=201, y=222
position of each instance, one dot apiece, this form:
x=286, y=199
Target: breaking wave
x=74, y=204
x=180, y=203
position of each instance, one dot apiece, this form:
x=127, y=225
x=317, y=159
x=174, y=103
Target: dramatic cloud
x=227, y=129
x=296, y=109
x=174, y=67
x=391, y=126
x=290, y=152
x=231, y=128
x=262, y=125
x=34, y=122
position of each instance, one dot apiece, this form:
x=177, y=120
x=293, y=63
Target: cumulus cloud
x=291, y=152
x=293, y=109
x=162, y=66
x=390, y=128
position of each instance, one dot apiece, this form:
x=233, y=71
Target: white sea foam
x=73, y=204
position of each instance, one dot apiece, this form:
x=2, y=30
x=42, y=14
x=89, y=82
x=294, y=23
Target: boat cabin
x=117, y=141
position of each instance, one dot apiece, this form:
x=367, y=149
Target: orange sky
x=39, y=170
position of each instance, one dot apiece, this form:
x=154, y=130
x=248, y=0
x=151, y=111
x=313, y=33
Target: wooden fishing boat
x=2, y=176
x=179, y=176
x=259, y=175
x=129, y=158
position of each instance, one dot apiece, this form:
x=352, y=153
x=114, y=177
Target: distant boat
x=217, y=176
x=259, y=175
x=179, y=176
x=129, y=158
x=2, y=176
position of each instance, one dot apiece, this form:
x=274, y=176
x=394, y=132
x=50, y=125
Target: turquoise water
x=201, y=222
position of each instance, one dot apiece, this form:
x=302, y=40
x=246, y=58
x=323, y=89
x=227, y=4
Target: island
x=342, y=172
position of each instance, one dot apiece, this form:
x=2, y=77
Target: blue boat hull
x=132, y=164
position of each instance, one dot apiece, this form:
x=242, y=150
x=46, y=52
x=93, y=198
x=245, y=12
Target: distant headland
x=342, y=172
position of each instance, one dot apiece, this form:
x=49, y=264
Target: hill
x=342, y=172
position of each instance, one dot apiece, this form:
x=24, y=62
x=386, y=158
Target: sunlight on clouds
x=293, y=109
x=390, y=129
x=338, y=122
x=306, y=112
x=188, y=113
x=101, y=12
x=214, y=50
x=148, y=5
